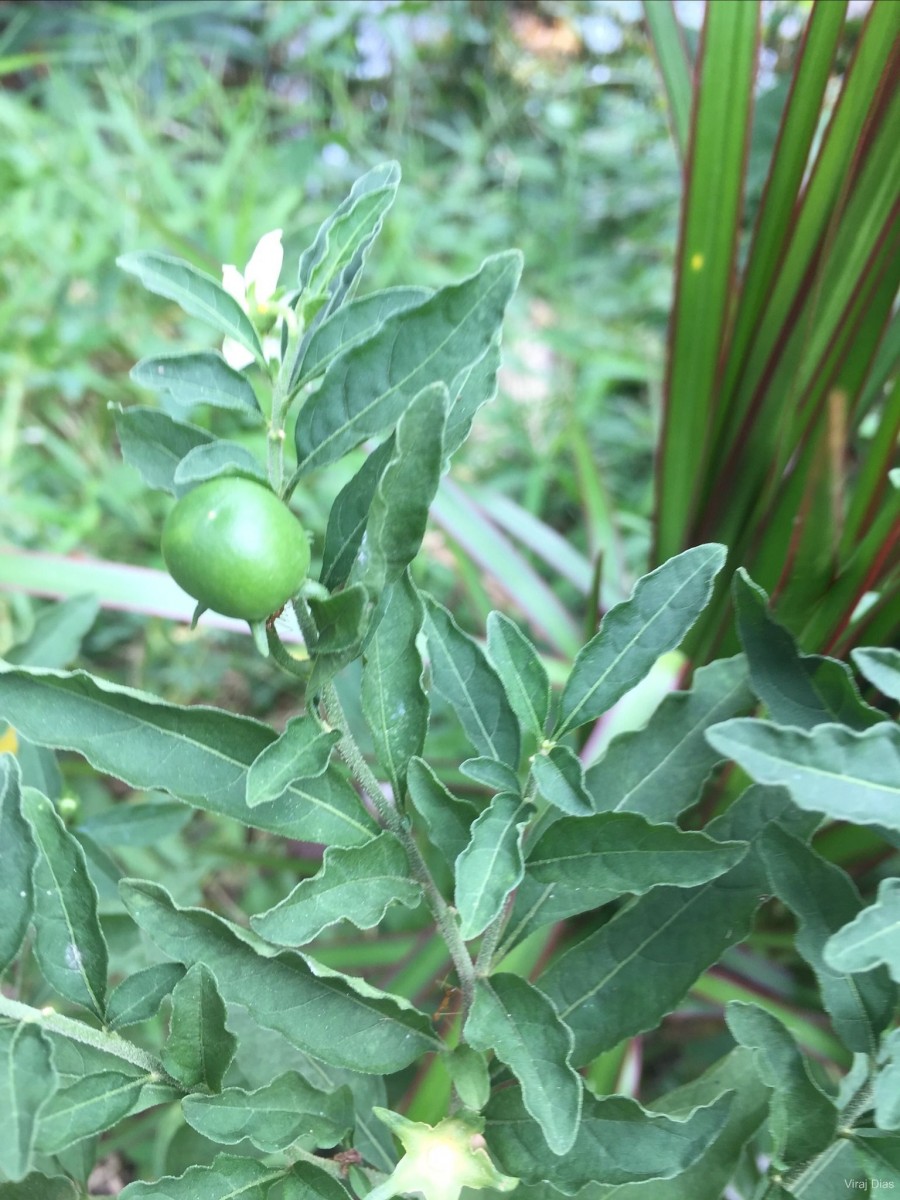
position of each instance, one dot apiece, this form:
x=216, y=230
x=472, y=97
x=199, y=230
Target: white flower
x=440, y=1160
x=253, y=289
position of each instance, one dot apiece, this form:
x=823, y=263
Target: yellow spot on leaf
x=9, y=743
x=697, y=261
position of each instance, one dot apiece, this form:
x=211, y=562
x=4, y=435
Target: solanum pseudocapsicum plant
x=291, y=1079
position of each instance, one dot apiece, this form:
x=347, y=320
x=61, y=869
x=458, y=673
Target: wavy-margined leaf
x=521, y=671
x=581, y=863
x=618, y=1141
x=17, y=855
x=660, y=770
x=69, y=943
x=474, y=386
x=448, y=818
x=138, y=997
x=824, y=899
x=872, y=938
x=398, y=513
x=27, y=1082
x=494, y=775
x=491, y=864
x=351, y=325
x=199, y=1048
x=803, y=1119
x=830, y=769
x=349, y=516
x=87, y=1107
x=341, y=621
x=559, y=775
x=204, y=378
x=708, y=1176
x=469, y=684
x=56, y=635
x=335, y=1019
x=394, y=701
x=302, y=751
x=881, y=666
x=512, y=1018
x=368, y=389
x=632, y=636
x=199, y=755
x=216, y=458
x=232, y=1178
x=621, y=979
x=336, y=256
x=286, y=1111
x=197, y=293
x=358, y=885
x=154, y=443
x=886, y=1090
x=797, y=689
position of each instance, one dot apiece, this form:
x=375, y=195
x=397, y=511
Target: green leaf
x=398, y=513
x=491, y=864
x=357, y=885
x=623, y=978
x=56, y=636
x=343, y=239
x=849, y=776
x=138, y=997
x=516, y=1021
x=234, y=1178
x=200, y=755
x=475, y=385
x=448, y=818
x=199, y=1049
x=141, y=824
x=886, y=1090
x=581, y=863
x=824, y=899
x=27, y=1082
x=216, y=458
x=709, y=1175
x=560, y=779
x=802, y=1120
x=470, y=1074
x=349, y=516
x=632, y=636
x=154, y=443
x=85, y=1108
x=496, y=776
x=711, y=211
x=660, y=770
x=302, y=751
x=618, y=1141
x=368, y=389
x=469, y=684
x=349, y=326
x=394, y=702
x=69, y=944
x=872, y=938
x=39, y=1187
x=17, y=856
x=674, y=65
x=798, y=689
x=881, y=666
x=198, y=379
x=197, y=293
x=284, y=1112
x=323, y=1014
x=341, y=622
x=521, y=672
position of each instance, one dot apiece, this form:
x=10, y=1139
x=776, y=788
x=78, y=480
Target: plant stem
x=392, y=820
x=99, y=1039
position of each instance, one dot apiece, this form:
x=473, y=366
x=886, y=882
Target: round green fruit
x=235, y=547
